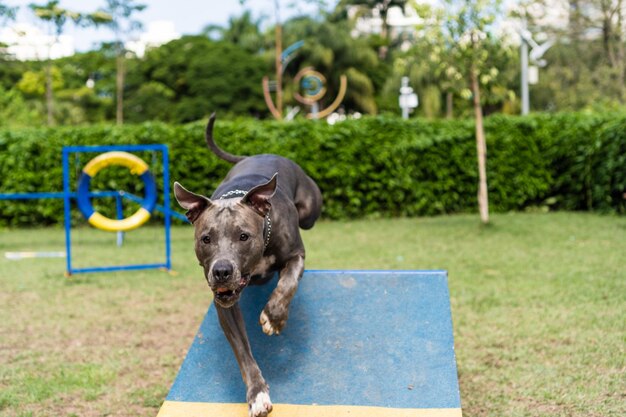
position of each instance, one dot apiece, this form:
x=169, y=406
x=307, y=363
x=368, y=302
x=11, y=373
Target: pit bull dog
x=244, y=233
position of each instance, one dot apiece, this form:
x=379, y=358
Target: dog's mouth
x=226, y=295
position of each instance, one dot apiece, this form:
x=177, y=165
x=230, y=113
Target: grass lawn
x=538, y=304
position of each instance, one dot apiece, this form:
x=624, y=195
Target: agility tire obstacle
x=136, y=166
x=357, y=344
x=121, y=155
x=111, y=155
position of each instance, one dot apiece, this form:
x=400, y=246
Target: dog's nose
x=222, y=271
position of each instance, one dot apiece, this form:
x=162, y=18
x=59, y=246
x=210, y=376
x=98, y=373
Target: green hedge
x=370, y=167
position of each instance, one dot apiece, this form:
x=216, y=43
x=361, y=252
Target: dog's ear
x=259, y=197
x=194, y=204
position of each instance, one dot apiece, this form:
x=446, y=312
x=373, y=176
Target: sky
x=188, y=16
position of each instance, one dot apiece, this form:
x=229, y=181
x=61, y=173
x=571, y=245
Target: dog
x=245, y=232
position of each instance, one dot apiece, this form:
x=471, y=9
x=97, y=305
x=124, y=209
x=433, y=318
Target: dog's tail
x=228, y=157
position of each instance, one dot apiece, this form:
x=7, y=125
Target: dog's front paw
x=272, y=322
x=260, y=405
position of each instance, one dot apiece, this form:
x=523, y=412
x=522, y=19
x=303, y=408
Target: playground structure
x=311, y=83
x=357, y=344
x=109, y=155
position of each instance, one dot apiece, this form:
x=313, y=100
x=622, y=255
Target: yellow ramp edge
x=191, y=409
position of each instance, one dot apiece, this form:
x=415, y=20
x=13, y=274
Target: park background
x=536, y=290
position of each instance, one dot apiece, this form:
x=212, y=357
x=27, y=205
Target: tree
x=122, y=24
x=89, y=84
x=586, y=67
x=382, y=6
x=16, y=111
x=243, y=31
x=55, y=17
x=185, y=79
x=468, y=23
x=329, y=48
x=425, y=63
x=6, y=13
x=608, y=17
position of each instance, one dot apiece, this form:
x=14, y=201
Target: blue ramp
x=357, y=344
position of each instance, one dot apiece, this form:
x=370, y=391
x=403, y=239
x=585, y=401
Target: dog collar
x=267, y=224
x=233, y=193
x=267, y=230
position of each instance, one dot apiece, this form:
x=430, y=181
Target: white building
x=159, y=32
x=397, y=21
x=27, y=42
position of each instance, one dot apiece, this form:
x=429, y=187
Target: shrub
x=369, y=167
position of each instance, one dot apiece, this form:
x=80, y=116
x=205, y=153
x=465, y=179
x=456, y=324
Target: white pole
x=524, y=63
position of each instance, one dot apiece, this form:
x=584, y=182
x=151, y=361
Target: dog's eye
x=243, y=237
x=206, y=239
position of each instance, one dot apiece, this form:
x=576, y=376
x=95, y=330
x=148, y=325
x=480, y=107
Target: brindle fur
x=276, y=187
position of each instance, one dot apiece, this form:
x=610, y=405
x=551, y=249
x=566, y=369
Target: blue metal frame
x=38, y=196
x=158, y=207
x=119, y=213
x=68, y=195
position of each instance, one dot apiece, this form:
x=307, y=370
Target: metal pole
x=408, y=99
x=166, y=205
x=404, y=92
x=119, y=209
x=66, y=212
x=405, y=112
x=524, y=63
x=279, y=63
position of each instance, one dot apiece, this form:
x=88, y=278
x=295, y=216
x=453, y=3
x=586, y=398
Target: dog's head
x=229, y=236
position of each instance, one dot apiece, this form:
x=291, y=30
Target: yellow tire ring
x=136, y=166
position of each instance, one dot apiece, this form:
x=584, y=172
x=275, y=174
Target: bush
x=369, y=167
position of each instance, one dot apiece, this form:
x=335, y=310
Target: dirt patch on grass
x=134, y=338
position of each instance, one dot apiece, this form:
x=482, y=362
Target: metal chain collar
x=268, y=227
x=233, y=192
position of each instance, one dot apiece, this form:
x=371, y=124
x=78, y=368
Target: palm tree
x=243, y=31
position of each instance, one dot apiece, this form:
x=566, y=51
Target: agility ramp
x=357, y=344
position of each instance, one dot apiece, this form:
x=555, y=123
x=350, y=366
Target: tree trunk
x=120, y=76
x=620, y=49
x=481, y=147
x=449, y=105
x=49, y=97
x=607, y=35
x=575, y=29
x=383, y=50
x=279, y=69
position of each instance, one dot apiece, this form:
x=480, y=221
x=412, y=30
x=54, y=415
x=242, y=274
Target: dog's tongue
x=222, y=290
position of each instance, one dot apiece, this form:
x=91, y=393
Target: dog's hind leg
x=231, y=320
x=274, y=315
x=308, y=201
